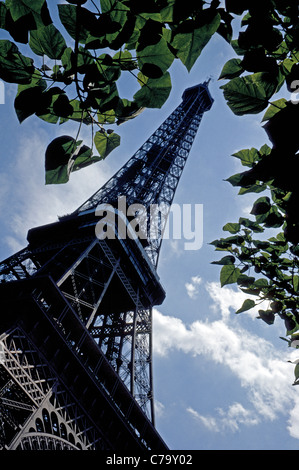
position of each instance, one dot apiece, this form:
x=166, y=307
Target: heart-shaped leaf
x=106, y=143
x=249, y=94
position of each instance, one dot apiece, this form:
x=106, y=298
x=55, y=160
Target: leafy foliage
x=249, y=94
x=74, y=67
x=266, y=268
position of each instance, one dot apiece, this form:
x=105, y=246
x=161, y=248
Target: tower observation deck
x=76, y=306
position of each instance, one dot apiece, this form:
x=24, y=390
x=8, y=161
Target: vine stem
x=76, y=50
x=78, y=10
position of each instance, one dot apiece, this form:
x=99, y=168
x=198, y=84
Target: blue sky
x=221, y=380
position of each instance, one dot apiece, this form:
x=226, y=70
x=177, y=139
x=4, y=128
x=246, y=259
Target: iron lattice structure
x=76, y=308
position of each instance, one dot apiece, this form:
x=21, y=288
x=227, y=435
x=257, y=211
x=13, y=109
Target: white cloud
x=293, y=423
x=192, y=287
x=208, y=421
x=159, y=408
x=171, y=248
x=227, y=299
x=226, y=420
x=236, y=415
x=254, y=361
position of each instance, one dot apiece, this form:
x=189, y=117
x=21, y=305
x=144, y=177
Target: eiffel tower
x=76, y=307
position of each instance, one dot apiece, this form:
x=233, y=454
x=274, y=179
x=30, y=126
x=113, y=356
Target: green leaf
x=261, y=244
x=29, y=98
x=84, y=60
x=225, y=260
x=274, y=108
x=273, y=219
x=235, y=180
x=17, y=29
x=155, y=58
x=84, y=158
x=167, y=12
x=261, y=206
x=107, y=5
x=108, y=117
x=142, y=79
x=231, y=227
x=265, y=150
x=247, y=156
x=47, y=40
x=267, y=316
x=247, y=305
x=254, y=188
x=47, y=113
x=68, y=15
x=231, y=69
x=226, y=243
x=296, y=283
x=19, y=8
x=261, y=283
x=245, y=281
x=108, y=73
x=26, y=102
x=190, y=45
x=3, y=12
x=58, y=176
x=154, y=93
x=254, y=226
x=14, y=66
x=235, y=45
x=249, y=94
x=105, y=143
x=125, y=60
x=112, y=6
x=109, y=98
x=58, y=159
x=78, y=115
x=229, y=274
x=116, y=14
x=127, y=110
x=65, y=155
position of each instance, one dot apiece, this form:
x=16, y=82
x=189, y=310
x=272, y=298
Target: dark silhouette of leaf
x=68, y=15
x=59, y=152
x=62, y=106
x=267, y=316
x=14, y=66
x=247, y=305
x=284, y=122
x=190, y=44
